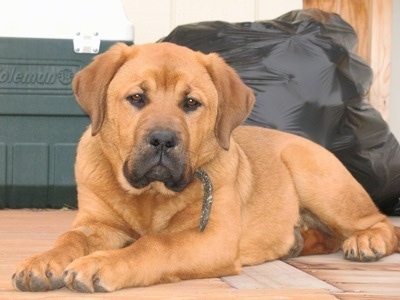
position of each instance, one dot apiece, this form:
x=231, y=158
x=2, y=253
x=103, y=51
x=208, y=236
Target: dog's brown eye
x=137, y=100
x=190, y=104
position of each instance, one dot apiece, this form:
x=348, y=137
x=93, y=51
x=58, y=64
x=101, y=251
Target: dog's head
x=161, y=111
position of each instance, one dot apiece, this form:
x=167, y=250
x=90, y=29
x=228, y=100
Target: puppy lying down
x=172, y=187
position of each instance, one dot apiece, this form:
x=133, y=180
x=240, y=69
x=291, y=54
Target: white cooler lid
x=64, y=19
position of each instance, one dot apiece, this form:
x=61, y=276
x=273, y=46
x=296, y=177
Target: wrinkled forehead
x=164, y=67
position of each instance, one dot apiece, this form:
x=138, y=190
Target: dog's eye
x=137, y=100
x=190, y=104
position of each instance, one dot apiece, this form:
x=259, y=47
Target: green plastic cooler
x=40, y=121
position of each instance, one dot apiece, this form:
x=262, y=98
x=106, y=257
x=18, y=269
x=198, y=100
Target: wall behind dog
x=154, y=19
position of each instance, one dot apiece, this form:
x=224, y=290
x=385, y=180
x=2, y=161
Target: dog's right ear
x=90, y=85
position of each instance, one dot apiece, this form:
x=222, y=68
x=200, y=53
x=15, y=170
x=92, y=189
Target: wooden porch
x=26, y=232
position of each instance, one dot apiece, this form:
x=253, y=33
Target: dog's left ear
x=90, y=85
x=235, y=99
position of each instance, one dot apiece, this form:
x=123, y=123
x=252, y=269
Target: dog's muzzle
x=161, y=157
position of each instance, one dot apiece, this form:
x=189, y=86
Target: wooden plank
x=370, y=289
x=328, y=6
x=171, y=294
x=26, y=232
x=358, y=296
x=357, y=13
x=380, y=277
x=23, y=232
x=336, y=261
x=380, y=56
x=276, y=275
x=374, y=278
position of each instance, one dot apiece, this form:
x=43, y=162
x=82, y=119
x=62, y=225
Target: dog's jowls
x=158, y=113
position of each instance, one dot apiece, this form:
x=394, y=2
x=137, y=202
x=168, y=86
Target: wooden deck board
x=26, y=232
x=276, y=275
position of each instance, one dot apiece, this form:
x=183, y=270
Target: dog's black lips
x=175, y=181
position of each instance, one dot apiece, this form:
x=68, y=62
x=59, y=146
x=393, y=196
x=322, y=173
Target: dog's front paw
x=365, y=246
x=93, y=273
x=40, y=273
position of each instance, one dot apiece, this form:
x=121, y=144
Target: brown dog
x=160, y=113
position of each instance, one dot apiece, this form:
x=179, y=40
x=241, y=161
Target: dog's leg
x=318, y=242
x=331, y=194
x=165, y=257
x=315, y=237
x=154, y=259
x=44, y=271
x=372, y=243
x=96, y=258
x=312, y=237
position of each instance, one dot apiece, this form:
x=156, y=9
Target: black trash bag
x=307, y=81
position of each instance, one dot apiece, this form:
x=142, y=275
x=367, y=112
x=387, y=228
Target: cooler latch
x=86, y=42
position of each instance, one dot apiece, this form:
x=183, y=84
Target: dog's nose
x=163, y=139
